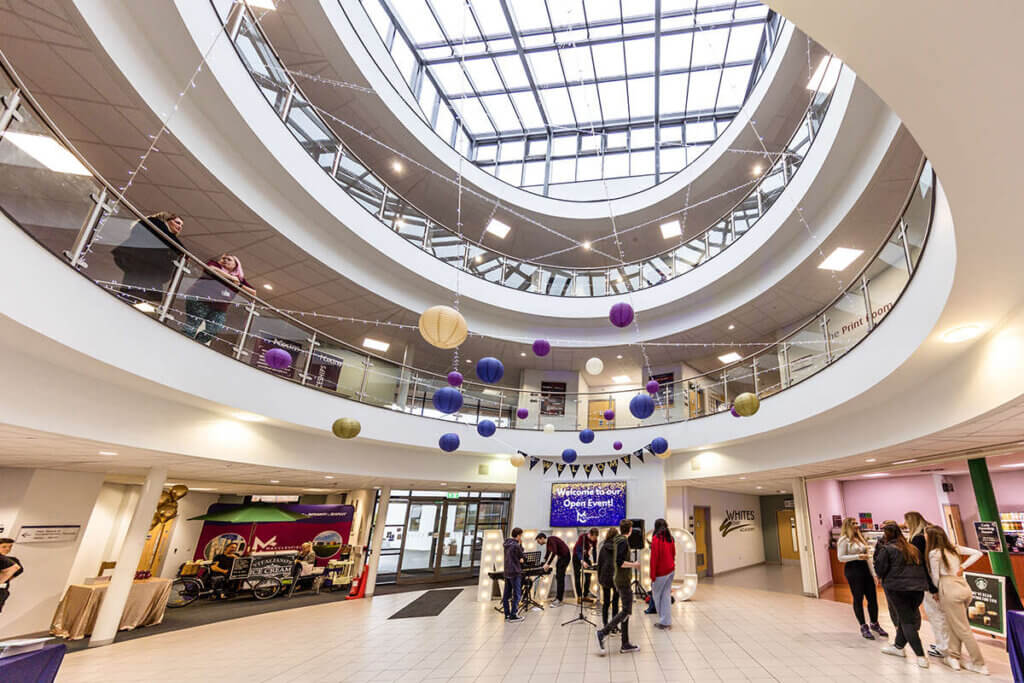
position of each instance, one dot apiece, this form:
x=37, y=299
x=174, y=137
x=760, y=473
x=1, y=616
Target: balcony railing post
x=172, y=290
x=287, y=104
x=250, y=314
x=501, y=405
x=338, y=154
x=753, y=369
x=313, y=343
x=865, y=290
x=906, y=244
x=725, y=386
x=760, y=200
x=85, y=234
x=11, y=103
x=828, y=338
x=383, y=203
x=785, y=377
x=234, y=20
x=785, y=169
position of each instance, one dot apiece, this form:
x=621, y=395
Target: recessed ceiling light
x=742, y=477
x=905, y=462
x=757, y=169
x=250, y=417
x=840, y=259
x=444, y=483
x=261, y=4
x=468, y=360
x=732, y=327
x=826, y=75
x=877, y=474
x=48, y=152
x=376, y=345
x=782, y=490
x=498, y=229
x=586, y=245
x=759, y=487
x=621, y=379
x=328, y=477
x=275, y=481
x=619, y=356
x=267, y=286
x=522, y=353
x=200, y=488
x=871, y=460
x=671, y=229
x=397, y=166
x=730, y=357
x=319, y=490
x=1014, y=464
x=145, y=307
x=479, y=259
x=108, y=452
x=962, y=333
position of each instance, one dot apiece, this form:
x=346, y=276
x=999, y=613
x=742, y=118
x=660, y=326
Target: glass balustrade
x=81, y=219
x=369, y=190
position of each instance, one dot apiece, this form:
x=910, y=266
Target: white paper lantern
x=443, y=327
x=549, y=428
x=595, y=366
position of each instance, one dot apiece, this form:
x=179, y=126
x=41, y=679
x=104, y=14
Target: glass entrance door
x=421, y=543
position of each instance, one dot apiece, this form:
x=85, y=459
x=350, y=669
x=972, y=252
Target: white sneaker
x=970, y=666
x=893, y=650
x=922, y=662
x=555, y=603
x=952, y=662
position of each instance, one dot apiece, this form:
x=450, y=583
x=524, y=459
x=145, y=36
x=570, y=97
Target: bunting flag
x=639, y=455
x=534, y=461
x=547, y=466
x=626, y=462
x=560, y=467
x=614, y=466
x=574, y=469
x=588, y=469
x=600, y=468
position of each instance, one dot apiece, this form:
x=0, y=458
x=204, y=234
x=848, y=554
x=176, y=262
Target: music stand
x=579, y=599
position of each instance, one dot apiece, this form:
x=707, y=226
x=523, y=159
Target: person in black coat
x=901, y=570
x=146, y=259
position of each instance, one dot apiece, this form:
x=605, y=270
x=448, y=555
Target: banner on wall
x=260, y=347
x=327, y=527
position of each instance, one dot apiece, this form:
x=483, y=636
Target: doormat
x=430, y=604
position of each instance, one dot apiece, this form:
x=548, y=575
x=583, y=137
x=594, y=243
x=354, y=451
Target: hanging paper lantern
x=747, y=404
x=664, y=455
x=732, y=410
x=486, y=428
x=522, y=413
x=617, y=445
x=516, y=460
x=587, y=435
x=653, y=386
x=549, y=428
x=490, y=370
x=443, y=327
x=594, y=366
x=569, y=455
x=541, y=347
x=277, y=359
x=621, y=314
x=455, y=378
x=641, y=406
x=447, y=400
x=609, y=414
x=659, y=445
x=448, y=442
x=346, y=428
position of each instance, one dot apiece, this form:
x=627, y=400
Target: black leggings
x=905, y=610
x=862, y=585
x=610, y=598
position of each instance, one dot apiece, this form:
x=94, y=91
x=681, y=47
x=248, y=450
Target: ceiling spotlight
x=732, y=327
x=742, y=477
x=962, y=333
x=468, y=361
x=497, y=228
x=671, y=229
x=108, y=452
x=444, y=483
x=871, y=460
x=397, y=166
x=275, y=481
x=1014, y=464
x=759, y=487
x=757, y=169
x=621, y=379
x=522, y=353
x=782, y=490
x=619, y=356
x=145, y=307
x=730, y=357
x=877, y=474
x=328, y=477
x=267, y=286
x=840, y=259
x=376, y=345
x=586, y=245
x=478, y=259
x=905, y=462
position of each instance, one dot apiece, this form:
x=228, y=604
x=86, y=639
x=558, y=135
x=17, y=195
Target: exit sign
x=451, y=494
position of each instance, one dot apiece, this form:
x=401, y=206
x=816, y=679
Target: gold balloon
x=165, y=497
x=155, y=521
x=443, y=327
x=747, y=404
x=346, y=428
x=517, y=460
x=168, y=509
x=179, y=491
x=167, y=516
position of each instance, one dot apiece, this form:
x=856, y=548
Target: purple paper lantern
x=653, y=386
x=277, y=359
x=522, y=413
x=587, y=435
x=542, y=347
x=569, y=455
x=659, y=445
x=455, y=378
x=448, y=442
x=621, y=314
x=617, y=445
x=447, y=400
x=486, y=428
x=732, y=410
x=609, y=414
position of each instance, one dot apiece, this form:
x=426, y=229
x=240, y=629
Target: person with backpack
x=513, y=591
x=623, y=577
x=606, y=577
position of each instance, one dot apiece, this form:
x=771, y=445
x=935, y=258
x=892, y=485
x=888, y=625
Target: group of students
x=926, y=570
x=614, y=574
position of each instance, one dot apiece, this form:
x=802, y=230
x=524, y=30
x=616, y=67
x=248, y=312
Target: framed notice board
x=552, y=398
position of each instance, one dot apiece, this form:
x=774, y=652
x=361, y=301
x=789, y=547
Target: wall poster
x=552, y=398
x=666, y=388
x=987, y=610
x=989, y=540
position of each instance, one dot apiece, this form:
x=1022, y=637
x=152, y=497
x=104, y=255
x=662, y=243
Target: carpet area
x=430, y=604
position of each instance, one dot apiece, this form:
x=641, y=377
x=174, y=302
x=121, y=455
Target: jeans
x=661, y=597
x=621, y=619
x=862, y=585
x=512, y=594
x=610, y=598
x=560, y=566
x=581, y=581
x=904, y=608
x=196, y=313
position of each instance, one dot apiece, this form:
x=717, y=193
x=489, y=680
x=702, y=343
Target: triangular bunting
x=600, y=468
x=533, y=461
x=547, y=466
x=560, y=467
x=639, y=455
x=625, y=461
x=614, y=466
x=588, y=469
x=574, y=469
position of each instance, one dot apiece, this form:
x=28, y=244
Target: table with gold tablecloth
x=76, y=612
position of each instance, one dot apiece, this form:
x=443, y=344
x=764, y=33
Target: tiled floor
x=779, y=578
x=725, y=633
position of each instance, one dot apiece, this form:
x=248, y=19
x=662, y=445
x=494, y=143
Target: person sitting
x=221, y=568
x=206, y=302
x=584, y=556
x=557, y=549
x=147, y=257
x=513, y=571
x=305, y=560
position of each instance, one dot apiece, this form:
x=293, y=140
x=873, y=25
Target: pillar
x=377, y=540
x=988, y=511
x=808, y=571
x=108, y=618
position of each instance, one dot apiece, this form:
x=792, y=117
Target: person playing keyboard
x=557, y=553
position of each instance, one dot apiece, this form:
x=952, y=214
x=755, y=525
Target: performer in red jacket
x=663, y=570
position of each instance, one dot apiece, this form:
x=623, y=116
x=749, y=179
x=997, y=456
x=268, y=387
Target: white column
x=808, y=572
x=378, y=539
x=108, y=617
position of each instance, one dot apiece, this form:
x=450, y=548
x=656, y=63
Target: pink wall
x=891, y=497
x=824, y=499
x=1009, y=489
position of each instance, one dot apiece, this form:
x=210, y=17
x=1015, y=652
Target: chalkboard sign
x=277, y=566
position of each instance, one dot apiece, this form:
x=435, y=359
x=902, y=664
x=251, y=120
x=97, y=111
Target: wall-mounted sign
x=591, y=504
x=277, y=566
x=865, y=520
x=737, y=520
x=989, y=539
x=552, y=398
x=987, y=610
x=47, y=533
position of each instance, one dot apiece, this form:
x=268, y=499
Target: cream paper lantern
x=594, y=366
x=747, y=404
x=443, y=327
x=666, y=455
x=517, y=459
x=549, y=428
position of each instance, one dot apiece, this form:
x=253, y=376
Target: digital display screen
x=588, y=504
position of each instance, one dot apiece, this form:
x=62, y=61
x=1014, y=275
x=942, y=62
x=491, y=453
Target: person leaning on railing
x=206, y=302
x=146, y=259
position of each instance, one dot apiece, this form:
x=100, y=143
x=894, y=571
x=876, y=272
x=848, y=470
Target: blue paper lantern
x=641, y=406
x=659, y=445
x=587, y=435
x=447, y=400
x=490, y=370
x=486, y=428
x=569, y=455
x=448, y=442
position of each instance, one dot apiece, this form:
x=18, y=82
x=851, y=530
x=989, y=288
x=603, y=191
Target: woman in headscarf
x=206, y=302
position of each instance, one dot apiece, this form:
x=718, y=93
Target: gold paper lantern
x=443, y=327
x=517, y=459
x=747, y=404
x=346, y=428
x=178, y=491
x=666, y=455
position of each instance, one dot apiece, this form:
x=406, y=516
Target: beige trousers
x=954, y=595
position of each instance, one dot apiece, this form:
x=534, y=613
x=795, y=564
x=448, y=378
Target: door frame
x=792, y=530
x=425, y=577
x=710, y=564
x=954, y=522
